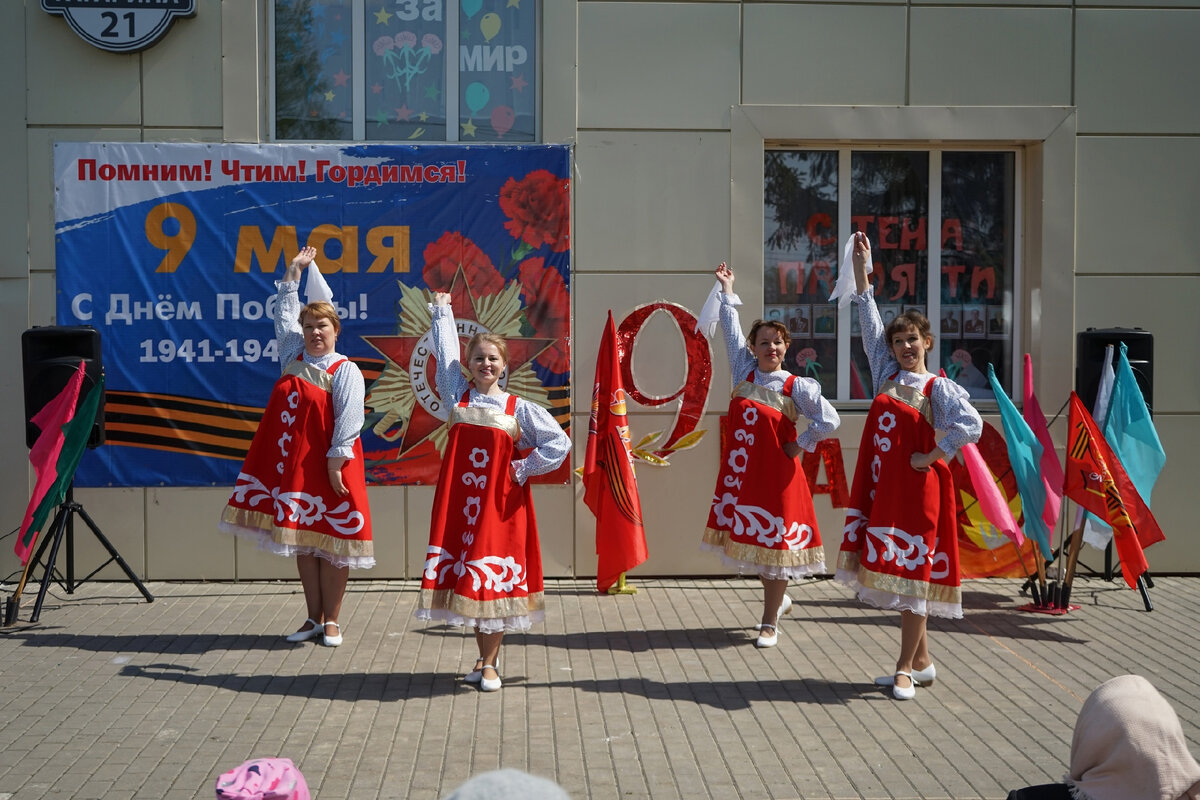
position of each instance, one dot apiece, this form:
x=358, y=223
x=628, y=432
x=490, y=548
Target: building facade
x=688, y=122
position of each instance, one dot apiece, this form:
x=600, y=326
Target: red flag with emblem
x=610, y=487
x=1096, y=480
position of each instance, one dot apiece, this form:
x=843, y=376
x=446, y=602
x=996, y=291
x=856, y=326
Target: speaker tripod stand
x=60, y=530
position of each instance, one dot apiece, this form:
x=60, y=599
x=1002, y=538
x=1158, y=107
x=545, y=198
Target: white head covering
x=508, y=784
x=1129, y=745
x=844, y=288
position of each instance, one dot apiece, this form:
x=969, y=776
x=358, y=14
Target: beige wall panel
x=182, y=540
x=1131, y=192
x=183, y=135
x=651, y=201
x=73, y=83
x=1164, y=306
x=14, y=233
x=560, y=50
x=244, y=97
x=42, y=299
x=790, y=56
x=419, y=508
x=1134, y=69
x=16, y=478
x=389, y=533
x=181, y=75
x=996, y=56
x=676, y=65
x=659, y=355
x=41, y=182
x=556, y=517
x=256, y=564
x=118, y=515
x=1174, y=506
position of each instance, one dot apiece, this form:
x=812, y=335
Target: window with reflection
x=955, y=210
x=405, y=70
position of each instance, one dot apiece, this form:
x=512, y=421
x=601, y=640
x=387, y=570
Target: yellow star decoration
x=382, y=16
x=423, y=117
x=468, y=128
x=329, y=96
x=513, y=4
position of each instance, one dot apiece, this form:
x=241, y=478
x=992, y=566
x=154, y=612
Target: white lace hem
x=890, y=601
x=769, y=571
x=264, y=542
x=482, y=624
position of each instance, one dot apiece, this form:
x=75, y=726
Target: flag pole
x=1035, y=594
x=621, y=587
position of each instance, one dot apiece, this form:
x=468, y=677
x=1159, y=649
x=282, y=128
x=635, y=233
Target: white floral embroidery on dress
x=498, y=573
x=907, y=550
x=886, y=421
x=479, y=457
x=297, y=507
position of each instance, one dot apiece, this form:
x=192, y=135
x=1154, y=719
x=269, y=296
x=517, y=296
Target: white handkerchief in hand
x=710, y=314
x=315, y=287
x=844, y=287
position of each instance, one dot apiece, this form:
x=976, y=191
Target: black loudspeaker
x=50, y=355
x=1089, y=360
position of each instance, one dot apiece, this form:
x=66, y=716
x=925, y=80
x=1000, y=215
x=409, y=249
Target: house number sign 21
x=120, y=26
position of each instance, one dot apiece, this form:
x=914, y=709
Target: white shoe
x=335, y=640
x=904, y=692
x=765, y=639
x=489, y=684
x=784, y=608
x=921, y=677
x=476, y=675
x=304, y=635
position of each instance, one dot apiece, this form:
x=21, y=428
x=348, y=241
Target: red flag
x=1097, y=481
x=609, y=486
x=44, y=457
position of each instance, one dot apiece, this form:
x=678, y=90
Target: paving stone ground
x=661, y=694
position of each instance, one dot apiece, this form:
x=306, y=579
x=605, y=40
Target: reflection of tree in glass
x=298, y=80
x=977, y=190
x=795, y=185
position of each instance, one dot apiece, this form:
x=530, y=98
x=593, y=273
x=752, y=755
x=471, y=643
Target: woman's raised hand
x=861, y=255
x=725, y=277
x=302, y=260
x=441, y=298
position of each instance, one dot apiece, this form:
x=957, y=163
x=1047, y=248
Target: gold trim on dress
x=894, y=584
x=486, y=417
x=265, y=523
x=310, y=374
x=755, y=554
x=910, y=396
x=766, y=397
x=500, y=608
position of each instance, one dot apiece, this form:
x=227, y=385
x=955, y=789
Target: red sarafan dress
x=900, y=544
x=762, y=517
x=484, y=565
x=283, y=498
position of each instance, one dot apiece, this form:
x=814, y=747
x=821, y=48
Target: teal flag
x=1025, y=455
x=1131, y=435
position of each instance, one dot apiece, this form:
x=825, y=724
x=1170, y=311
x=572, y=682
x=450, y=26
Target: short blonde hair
x=496, y=339
x=322, y=310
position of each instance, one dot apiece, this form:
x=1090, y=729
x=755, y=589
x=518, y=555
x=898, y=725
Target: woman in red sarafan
x=483, y=568
x=900, y=541
x=302, y=490
x=762, y=518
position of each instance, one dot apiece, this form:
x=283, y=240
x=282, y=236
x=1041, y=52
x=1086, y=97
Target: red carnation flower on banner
x=443, y=258
x=548, y=308
x=538, y=207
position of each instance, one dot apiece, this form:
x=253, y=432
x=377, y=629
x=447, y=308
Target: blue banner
x=172, y=252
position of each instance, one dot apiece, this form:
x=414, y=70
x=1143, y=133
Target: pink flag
x=1052, y=473
x=44, y=455
x=991, y=500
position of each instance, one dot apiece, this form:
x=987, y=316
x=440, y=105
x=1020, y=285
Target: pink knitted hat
x=263, y=779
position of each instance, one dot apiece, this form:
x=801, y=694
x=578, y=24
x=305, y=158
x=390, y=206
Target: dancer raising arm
x=484, y=566
x=762, y=518
x=302, y=490
x=900, y=545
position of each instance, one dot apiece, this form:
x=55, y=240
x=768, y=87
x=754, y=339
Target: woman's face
x=485, y=365
x=909, y=349
x=769, y=348
x=320, y=337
